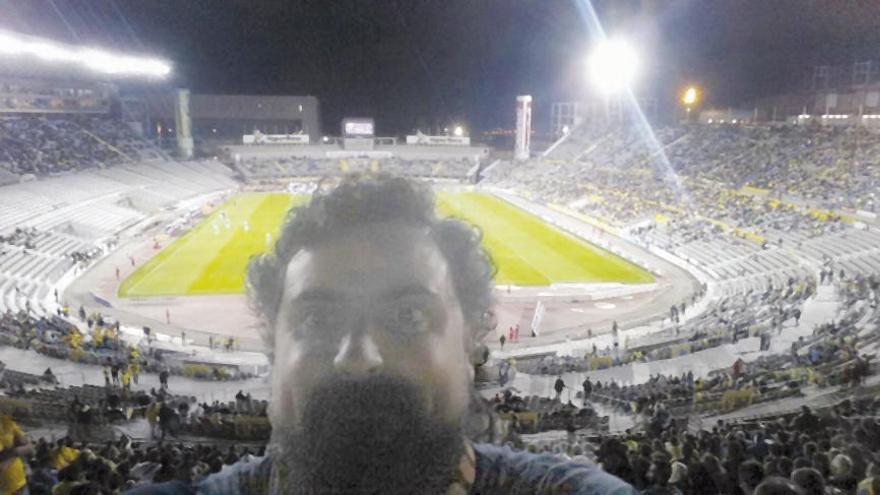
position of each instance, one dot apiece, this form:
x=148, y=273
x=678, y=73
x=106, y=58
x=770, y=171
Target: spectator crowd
x=43, y=145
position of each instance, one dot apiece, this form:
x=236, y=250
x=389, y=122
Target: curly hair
x=360, y=200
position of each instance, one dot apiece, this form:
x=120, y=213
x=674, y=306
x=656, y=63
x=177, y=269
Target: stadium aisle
x=75, y=374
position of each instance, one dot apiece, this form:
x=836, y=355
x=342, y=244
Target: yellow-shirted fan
x=12, y=477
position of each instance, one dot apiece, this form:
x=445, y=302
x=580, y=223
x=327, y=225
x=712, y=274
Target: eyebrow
x=409, y=290
x=318, y=295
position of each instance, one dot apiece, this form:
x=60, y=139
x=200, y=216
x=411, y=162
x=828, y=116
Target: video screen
x=357, y=127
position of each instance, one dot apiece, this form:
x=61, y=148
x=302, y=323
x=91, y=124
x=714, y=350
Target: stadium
x=681, y=301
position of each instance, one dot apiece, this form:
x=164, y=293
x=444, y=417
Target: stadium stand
x=72, y=215
x=257, y=168
x=765, y=214
x=831, y=167
x=41, y=145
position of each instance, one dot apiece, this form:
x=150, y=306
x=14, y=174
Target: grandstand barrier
x=753, y=191
x=817, y=213
x=359, y=154
x=15, y=407
x=585, y=218
x=739, y=232
x=7, y=177
x=599, y=362
x=228, y=426
x=866, y=215
x=385, y=141
x=438, y=140
x=275, y=139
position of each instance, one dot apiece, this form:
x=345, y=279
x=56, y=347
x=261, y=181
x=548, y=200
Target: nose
x=358, y=355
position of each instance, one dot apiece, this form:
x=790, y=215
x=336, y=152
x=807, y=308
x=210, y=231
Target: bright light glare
x=690, y=96
x=613, y=66
x=458, y=131
x=94, y=59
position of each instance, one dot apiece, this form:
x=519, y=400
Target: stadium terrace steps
x=90, y=204
x=58, y=200
x=5, y=286
x=842, y=247
x=217, y=171
x=159, y=179
x=33, y=266
x=739, y=266
x=99, y=219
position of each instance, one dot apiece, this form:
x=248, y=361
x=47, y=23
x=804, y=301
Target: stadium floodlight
x=458, y=131
x=613, y=66
x=102, y=61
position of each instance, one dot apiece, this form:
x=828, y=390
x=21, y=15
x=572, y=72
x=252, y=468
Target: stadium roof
x=24, y=55
x=257, y=107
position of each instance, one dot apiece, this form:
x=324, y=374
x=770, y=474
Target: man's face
x=377, y=301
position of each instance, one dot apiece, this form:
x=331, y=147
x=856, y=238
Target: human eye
x=317, y=322
x=408, y=318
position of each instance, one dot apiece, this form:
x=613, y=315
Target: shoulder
x=250, y=477
x=169, y=488
x=503, y=470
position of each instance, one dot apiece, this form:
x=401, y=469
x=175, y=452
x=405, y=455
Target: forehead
x=370, y=259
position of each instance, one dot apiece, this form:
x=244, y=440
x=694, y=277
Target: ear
x=477, y=353
x=470, y=374
x=267, y=332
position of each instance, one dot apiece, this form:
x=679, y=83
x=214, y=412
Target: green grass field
x=211, y=259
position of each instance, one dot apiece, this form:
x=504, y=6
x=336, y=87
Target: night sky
x=411, y=63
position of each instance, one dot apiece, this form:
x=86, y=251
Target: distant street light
x=690, y=98
x=458, y=131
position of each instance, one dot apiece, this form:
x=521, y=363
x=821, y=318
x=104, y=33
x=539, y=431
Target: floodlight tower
x=523, y=127
x=183, y=124
x=613, y=66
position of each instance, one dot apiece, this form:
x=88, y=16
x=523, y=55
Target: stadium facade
x=227, y=118
x=846, y=94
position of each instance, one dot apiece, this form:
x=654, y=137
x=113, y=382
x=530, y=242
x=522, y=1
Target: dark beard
x=367, y=435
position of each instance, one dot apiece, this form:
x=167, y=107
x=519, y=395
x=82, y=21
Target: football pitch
x=212, y=257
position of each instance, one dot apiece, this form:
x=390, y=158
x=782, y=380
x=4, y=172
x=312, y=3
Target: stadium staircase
x=574, y=145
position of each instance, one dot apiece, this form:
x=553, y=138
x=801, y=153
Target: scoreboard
x=358, y=127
